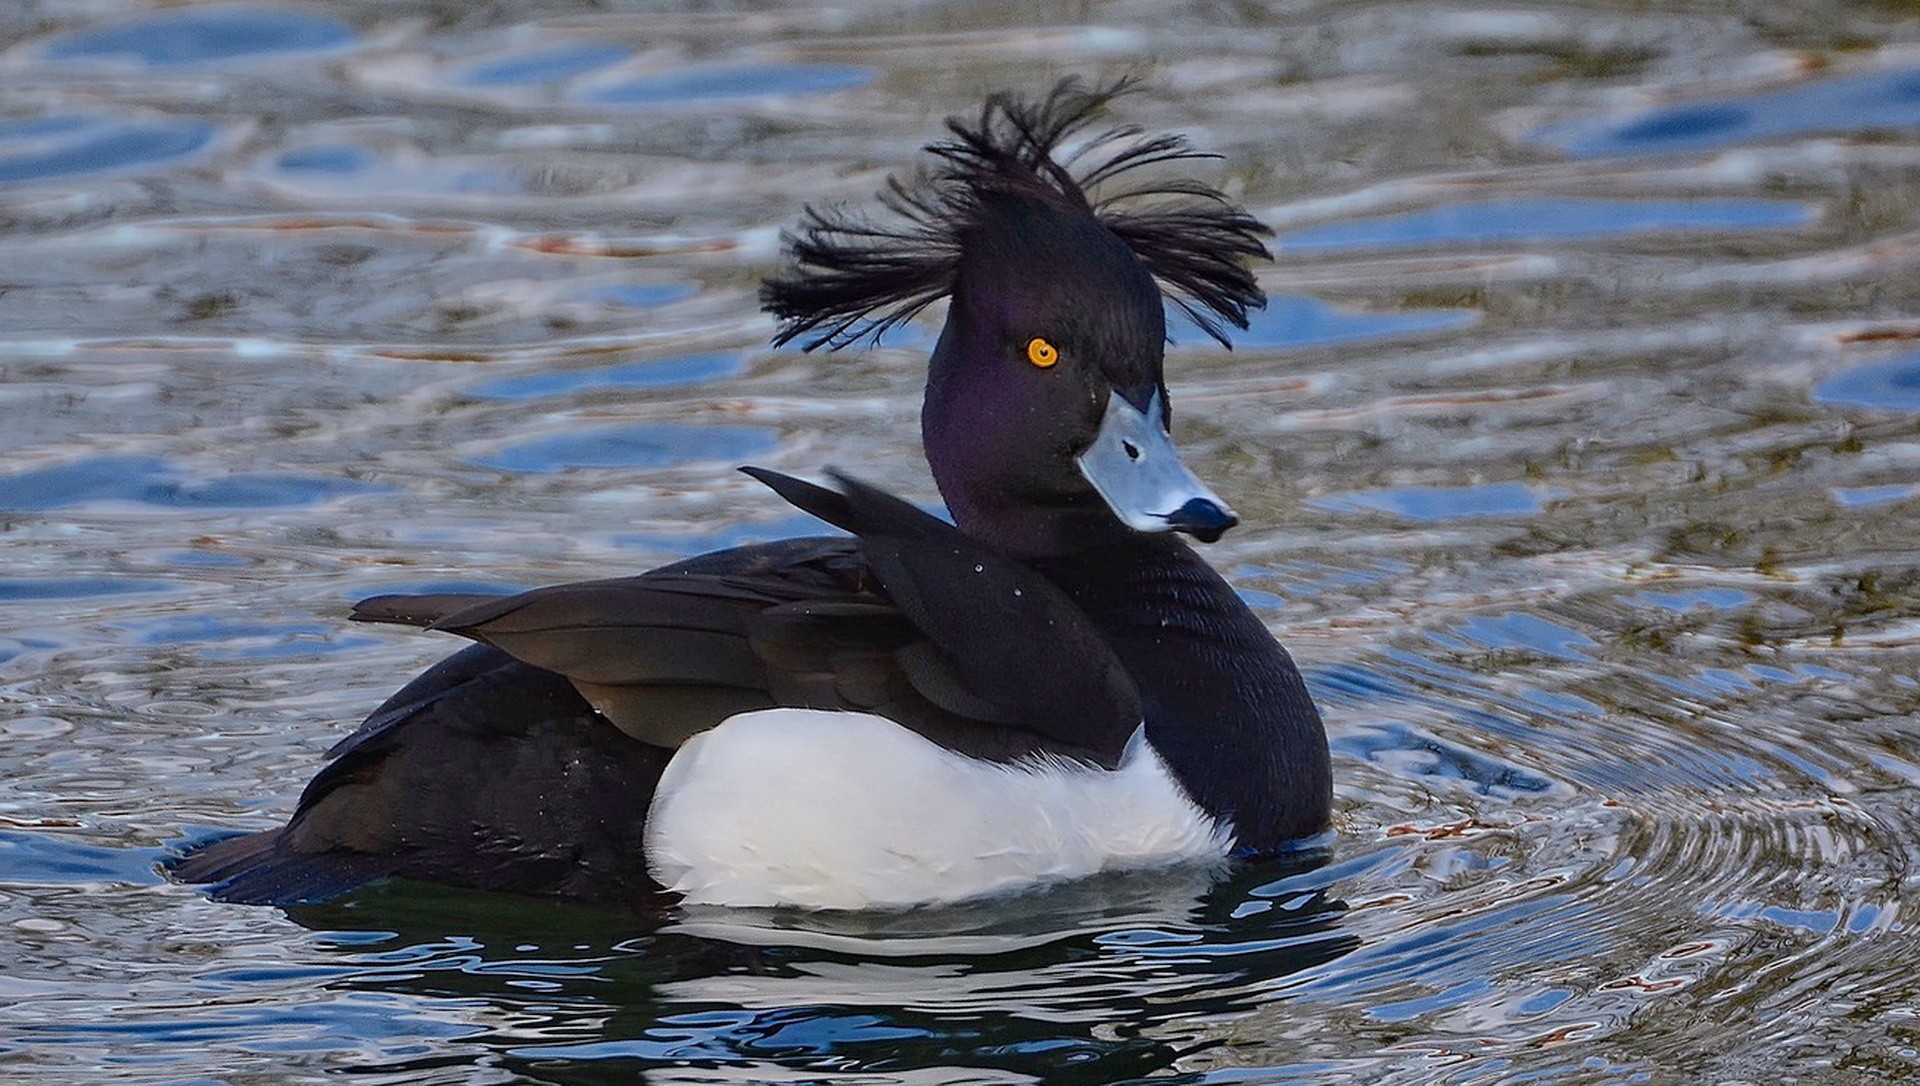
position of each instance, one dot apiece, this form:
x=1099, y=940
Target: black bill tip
x=1202, y=519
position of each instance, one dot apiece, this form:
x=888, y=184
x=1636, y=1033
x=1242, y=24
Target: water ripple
x=716, y=84
x=550, y=65
x=202, y=37
x=1575, y=451
x=67, y=146
x=1892, y=385
x=647, y=445
x=652, y=373
x=1866, y=102
x=1539, y=220
x=152, y=481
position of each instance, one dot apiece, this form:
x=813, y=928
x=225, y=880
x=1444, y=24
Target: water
x=1576, y=453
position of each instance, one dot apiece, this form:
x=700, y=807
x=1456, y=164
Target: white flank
x=836, y=810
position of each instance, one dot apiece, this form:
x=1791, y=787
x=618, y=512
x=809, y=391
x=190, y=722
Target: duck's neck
x=1226, y=706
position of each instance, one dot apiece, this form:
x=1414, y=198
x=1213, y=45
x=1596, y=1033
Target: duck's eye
x=1041, y=353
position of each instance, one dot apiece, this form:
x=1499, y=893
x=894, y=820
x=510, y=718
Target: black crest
x=852, y=278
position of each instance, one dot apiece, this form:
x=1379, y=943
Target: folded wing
x=909, y=619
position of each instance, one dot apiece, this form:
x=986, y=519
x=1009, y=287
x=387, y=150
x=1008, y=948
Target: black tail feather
x=259, y=869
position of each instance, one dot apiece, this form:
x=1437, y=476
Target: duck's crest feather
x=852, y=278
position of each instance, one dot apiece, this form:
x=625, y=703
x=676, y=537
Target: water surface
x=1576, y=453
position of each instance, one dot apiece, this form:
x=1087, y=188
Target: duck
x=1049, y=685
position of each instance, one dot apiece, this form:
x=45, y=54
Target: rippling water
x=1577, y=452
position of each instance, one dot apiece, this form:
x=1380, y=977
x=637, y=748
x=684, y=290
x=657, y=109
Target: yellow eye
x=1041, y=353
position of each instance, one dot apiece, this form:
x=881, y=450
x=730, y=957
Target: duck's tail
x=260, y=869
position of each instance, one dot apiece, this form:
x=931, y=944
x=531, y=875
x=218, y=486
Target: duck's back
x=484, y=772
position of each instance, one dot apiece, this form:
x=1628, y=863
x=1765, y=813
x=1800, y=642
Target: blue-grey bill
x=1136, y=470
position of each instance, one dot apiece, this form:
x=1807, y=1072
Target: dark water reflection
x=1576, y=451
x=1079, y=987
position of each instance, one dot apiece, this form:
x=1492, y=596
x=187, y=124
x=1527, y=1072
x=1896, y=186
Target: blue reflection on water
x=1520, y=630
x=1856, y=496
x=196, y=37
x=1454, y=996
x=730, y=535
x=544, y=65
x=27, y=128
x=1820, y=922
x=1295, y=321
x=1815, y=921
x=1433, y=503
x=1413, y=751
x=192, y=629
x=1892, y=384
x=1421, y=680
x=718, y=83
x=1857, y=103
x=152, y=481
x=206, y=559
x=54, y=860
x=655, y=373
x=1449, y=949
x=1688, y=599
x=29, y=589
x=727, y=1035
x=49, y=147
x=1542, y=219
x=439, y=587
x=327, y=158
x=644, y=295
x=216, y=638
x=1418, y=754
x=644, y=445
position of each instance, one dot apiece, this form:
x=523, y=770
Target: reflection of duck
x=1052, y=686
x=1096, y=981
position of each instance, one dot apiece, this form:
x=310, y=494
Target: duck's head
x=1046, y=416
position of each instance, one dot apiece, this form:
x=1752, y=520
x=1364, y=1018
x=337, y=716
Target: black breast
x=1225, y=705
